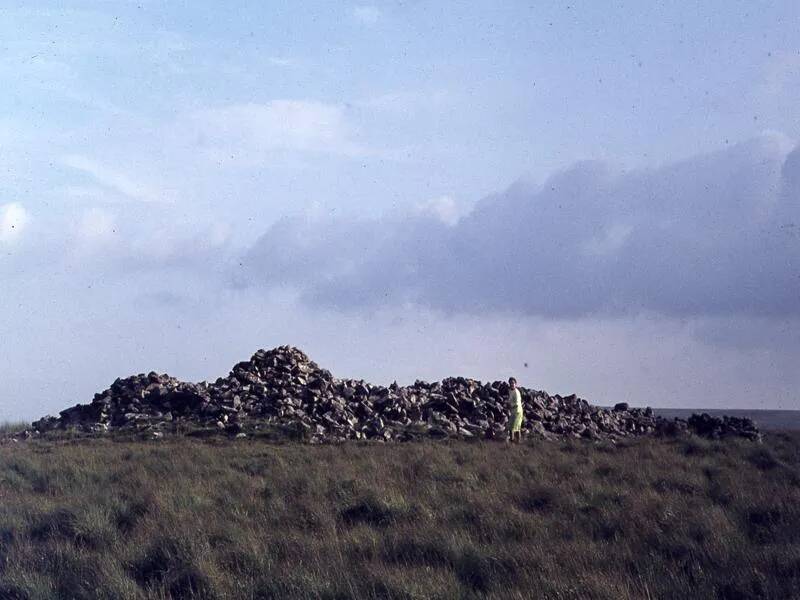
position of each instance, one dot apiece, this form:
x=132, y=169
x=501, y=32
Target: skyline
x=403, y=191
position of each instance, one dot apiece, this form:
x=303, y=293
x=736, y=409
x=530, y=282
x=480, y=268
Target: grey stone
x=284, y=387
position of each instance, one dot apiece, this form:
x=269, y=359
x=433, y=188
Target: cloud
x=610, y=240
x=444, y=208
x=96, y=227
x=86, y=193
x=152, y=249
x=367, y=15
x=717, y=234
x=407, y=101
x=200, y=250
x=280, y=61
x=781, y=74
x=13, y=218
x=256, y=133
x=112, y=180
x=118, y=241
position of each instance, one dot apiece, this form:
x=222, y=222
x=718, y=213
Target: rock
x=714, y=427
x=283, y=387
x=538, y=428
x=671, y=428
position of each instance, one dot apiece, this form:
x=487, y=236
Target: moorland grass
x=182, y=518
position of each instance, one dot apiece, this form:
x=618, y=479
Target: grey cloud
x=717, y=234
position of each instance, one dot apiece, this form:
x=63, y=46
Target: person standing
x=514, y=411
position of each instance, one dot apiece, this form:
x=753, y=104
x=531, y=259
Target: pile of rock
x=716, y=428
x=283, y=387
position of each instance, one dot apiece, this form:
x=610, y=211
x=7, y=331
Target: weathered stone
x=284, y=387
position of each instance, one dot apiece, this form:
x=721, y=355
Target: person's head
x=512, y=382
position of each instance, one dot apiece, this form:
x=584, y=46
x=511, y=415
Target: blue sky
x=390, y=186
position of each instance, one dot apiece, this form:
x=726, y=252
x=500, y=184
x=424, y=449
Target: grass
x=11, y=427
x=184, y=518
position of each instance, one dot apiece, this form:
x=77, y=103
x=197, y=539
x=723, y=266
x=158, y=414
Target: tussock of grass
x=185, y=518
x=11, y=427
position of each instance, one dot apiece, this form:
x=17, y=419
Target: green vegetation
x=182, y=518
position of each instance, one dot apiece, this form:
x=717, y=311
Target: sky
x=597, y=198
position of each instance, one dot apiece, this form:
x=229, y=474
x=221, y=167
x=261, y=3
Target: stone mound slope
x=283, y=387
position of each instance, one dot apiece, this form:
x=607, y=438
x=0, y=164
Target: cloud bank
x=255, y=134
x=714, y=235
x=439, y=291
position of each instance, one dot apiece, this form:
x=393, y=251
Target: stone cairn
x=284, y=388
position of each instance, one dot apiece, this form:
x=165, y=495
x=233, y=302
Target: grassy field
x=218, y=519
